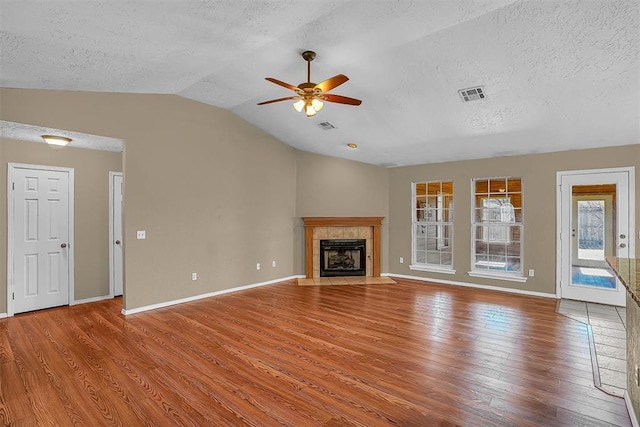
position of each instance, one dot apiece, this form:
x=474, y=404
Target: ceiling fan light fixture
x=56, y=141
x=310, y=96
x=309, y=110
x=299, y=105
x=317, y=104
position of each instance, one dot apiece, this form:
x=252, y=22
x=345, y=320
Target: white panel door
x=116, y=233
x=40, y=236
x=610, y=291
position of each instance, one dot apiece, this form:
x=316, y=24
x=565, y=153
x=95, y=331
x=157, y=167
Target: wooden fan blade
x=331, y=83
x=283, y=84
x=278, y=100
x=340, y=99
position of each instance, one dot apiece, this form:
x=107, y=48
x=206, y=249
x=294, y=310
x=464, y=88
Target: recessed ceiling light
x=352, y=145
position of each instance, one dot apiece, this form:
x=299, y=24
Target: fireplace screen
x=343, y=257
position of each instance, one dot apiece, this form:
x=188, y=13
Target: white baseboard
x=92, y=299
x=3, y=315
x=474, y=285
x=632, y=414
x=207, y=295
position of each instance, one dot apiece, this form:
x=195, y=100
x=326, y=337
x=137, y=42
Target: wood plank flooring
x=405, y=354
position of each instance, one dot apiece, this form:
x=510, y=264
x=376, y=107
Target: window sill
x=431, y=269
x=497, y=276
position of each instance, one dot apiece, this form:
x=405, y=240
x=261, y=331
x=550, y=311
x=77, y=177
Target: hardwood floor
x=407, y=354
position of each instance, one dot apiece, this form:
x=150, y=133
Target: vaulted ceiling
x=557, y=75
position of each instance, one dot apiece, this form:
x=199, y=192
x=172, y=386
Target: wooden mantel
x=349, y=221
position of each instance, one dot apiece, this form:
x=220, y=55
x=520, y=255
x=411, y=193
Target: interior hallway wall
x=215, y=194
x=91, y=215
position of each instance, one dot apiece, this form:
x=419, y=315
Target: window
x=591, y=226
x=432, y=226
x=497, y=226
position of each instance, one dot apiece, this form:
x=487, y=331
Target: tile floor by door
x=609, y=334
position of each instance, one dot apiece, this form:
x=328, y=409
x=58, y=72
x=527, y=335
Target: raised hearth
x=365, y=229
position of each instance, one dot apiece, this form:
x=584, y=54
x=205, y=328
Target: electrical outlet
x=142, y=234
x=273, y=264
x=401, y=260
x=531, y=272
x=258, y=266
x=194, y=276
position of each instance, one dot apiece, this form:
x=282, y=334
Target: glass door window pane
x=591, y=226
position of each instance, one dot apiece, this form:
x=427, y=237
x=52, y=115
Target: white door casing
x=116, y=242
x=624, y=179
x=40, y=237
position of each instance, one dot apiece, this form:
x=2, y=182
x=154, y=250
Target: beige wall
x=539, y=181
x=327, y=186
x=215, y=194
x=91, y=214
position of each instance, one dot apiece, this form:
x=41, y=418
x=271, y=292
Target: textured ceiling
x=31, y=133
x=558, y=74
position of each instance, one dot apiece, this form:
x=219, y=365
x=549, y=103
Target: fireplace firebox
x=343, y=257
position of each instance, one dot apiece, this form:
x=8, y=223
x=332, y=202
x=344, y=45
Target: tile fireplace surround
x=320, y=228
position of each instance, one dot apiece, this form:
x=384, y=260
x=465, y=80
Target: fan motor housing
x=307, y=87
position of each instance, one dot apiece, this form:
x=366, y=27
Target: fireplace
x=343, y=257
x=323, y=227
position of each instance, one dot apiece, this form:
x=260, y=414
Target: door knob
x=63, y=245
x=623, y=245
x=117, y=242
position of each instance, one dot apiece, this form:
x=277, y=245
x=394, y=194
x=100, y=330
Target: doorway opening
x=595, y=213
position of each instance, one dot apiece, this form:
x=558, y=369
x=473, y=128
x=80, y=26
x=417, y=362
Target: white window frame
x=438, y=214
x=496, y=229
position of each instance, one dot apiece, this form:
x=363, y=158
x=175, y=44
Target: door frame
x=112, y=289
x=631, y=214
x=11, y=167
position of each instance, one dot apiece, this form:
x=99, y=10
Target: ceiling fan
x=310, y=95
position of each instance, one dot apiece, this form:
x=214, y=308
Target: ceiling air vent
x=472, y=94
x=326, y=126
x=389, y=164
